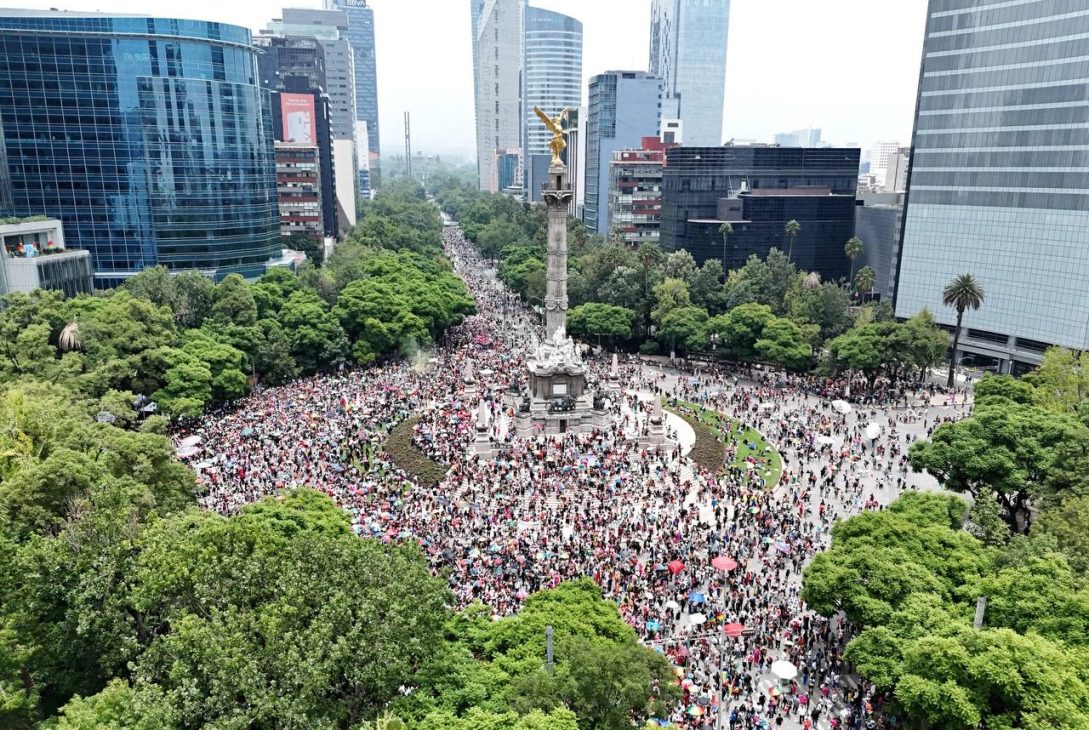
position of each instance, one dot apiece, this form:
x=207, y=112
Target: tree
x=725, y=230
x=1062, y=380
x=684, y=327
x=792, y=227
x=670, y=294
x=919, y=343
x=824, y=305
x=233, y=302
x=1003, y=386
x=961, y=293
x=307, y=244
x=784, y=343
x=609, y=683
x=865, y=280
x=853, y=249
x=739, y=329
x=865, y=349
x=600, y=320
x=1005, y=447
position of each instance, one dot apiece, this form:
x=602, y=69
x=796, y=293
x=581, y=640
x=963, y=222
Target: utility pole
x=981, y=608
x=408, y=146
x=548, y=649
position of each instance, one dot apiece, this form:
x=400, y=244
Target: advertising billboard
x=300, y=120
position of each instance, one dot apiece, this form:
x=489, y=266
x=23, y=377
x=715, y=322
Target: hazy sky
x=850, y=67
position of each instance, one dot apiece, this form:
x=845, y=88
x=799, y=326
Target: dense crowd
x=642, y=521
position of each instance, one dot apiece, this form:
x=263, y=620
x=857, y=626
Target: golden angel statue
x=558, y=144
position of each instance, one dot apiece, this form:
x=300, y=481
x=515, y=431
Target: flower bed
x=406, y=456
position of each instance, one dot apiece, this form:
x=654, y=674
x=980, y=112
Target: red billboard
x=299, y=119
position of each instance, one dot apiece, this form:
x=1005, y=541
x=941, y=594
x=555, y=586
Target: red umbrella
x=733, y=630
x=724, y=563
x=675, y=566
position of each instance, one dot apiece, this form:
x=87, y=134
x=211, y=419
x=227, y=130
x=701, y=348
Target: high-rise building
x=1000, y=176
x=635, y=192
x=553, y=81
x=576, y=159
x=295, y=62
x=623, y=109
x=298, y=181
x=878, y=221
x=300, y=116
x=498, y=31
x=897, y=170
x=149, y=138
x=360, y=34
x=810, y=137
x=330, y=29
x=758, y=190
x=882, y=156
x=688, y=52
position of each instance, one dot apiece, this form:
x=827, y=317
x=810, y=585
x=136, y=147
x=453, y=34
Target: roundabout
x=647, y=523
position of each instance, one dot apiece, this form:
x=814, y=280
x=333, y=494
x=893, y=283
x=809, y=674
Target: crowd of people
x=682, y=551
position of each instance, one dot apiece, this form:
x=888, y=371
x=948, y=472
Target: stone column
x=558, y=199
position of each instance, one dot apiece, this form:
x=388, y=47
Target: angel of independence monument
x=558, y=400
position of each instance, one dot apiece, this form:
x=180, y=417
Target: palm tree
x=853, y=249
x=961, y=293
x=792, y=228
x=69, y=338
x=865, y=280
x=725, y=230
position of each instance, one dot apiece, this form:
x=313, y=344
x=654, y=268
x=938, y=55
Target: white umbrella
x=784, y=670
x=186, y=451
x=189, y=441
x=695, y=619
x=671, y=606
x=873, y=430
x=825, y=440
x=841, y=406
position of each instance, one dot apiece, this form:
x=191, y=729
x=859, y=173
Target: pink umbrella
x=733, y=630
x=724, y=563
x=675, y=566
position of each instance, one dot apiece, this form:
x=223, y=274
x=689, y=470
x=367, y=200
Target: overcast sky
x=850, y=67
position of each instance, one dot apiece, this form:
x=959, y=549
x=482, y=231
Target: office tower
x=688, y=52
x=298, y=62
x=330, y=28
x=635, y=192
x=497, y=82
x=553, y=81
x=149, y=138
x=882, y=155
x=623, y=109
x=360, y=34
x=897, y=170
x=757, y=190
x=878, y=221
x=576, y=159
x=810, y=137
x=999, y=174
x=300, y=116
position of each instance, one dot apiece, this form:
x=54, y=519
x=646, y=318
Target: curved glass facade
x=150, y=138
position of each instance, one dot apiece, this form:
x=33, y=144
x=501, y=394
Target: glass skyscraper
x=999, y=181
x=553, y=81
x=360, y=34
x=150, y=138
x=688, y=51
x=623, y=109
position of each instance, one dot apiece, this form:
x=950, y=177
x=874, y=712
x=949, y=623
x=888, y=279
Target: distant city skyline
x=780, y=74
